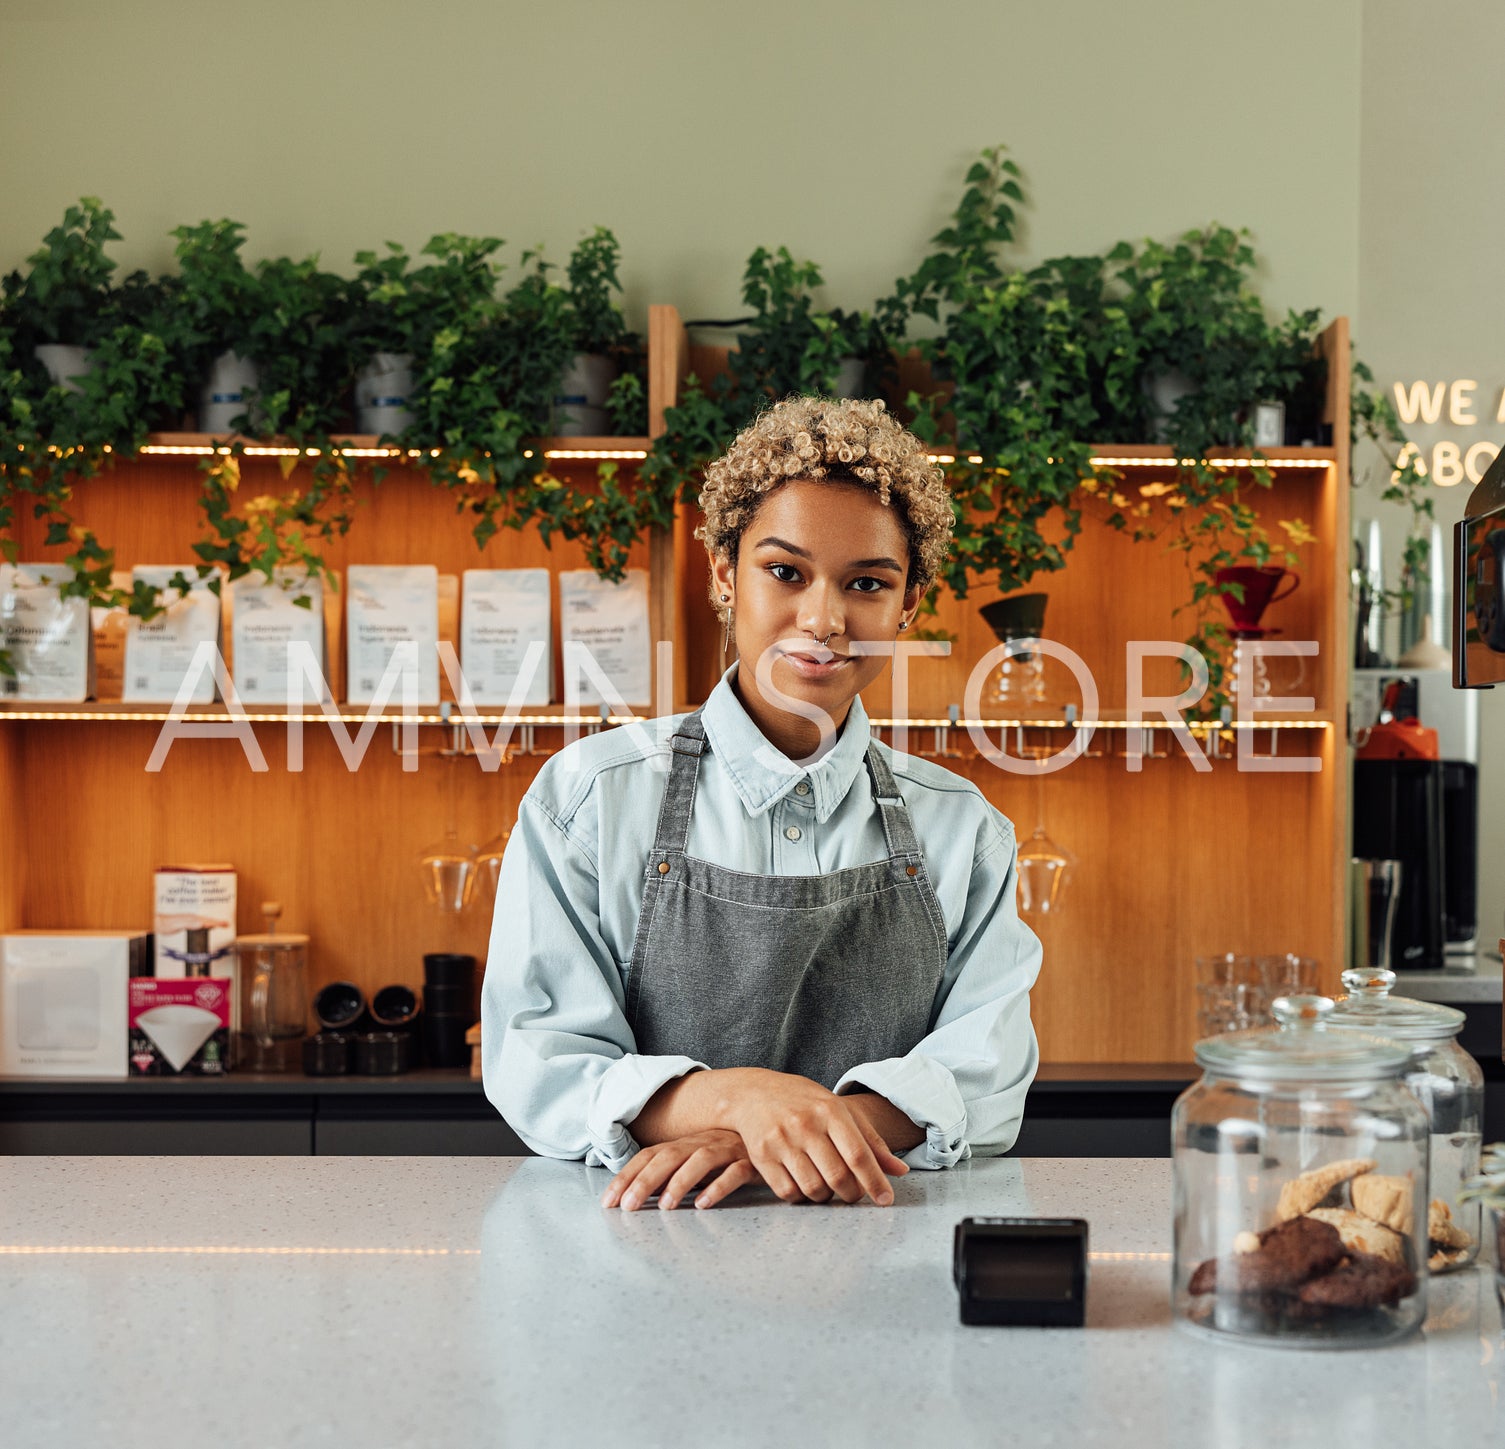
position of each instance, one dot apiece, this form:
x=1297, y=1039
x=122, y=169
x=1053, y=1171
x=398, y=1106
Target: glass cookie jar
x=1447, y=1081
x=1291, y=1131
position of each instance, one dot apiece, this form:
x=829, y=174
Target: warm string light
x=263, y=450
x=221, y=713
x=1107, y=461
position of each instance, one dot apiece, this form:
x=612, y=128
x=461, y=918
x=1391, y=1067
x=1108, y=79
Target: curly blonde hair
x=848, y=441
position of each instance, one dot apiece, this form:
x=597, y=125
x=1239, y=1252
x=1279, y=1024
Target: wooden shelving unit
x=1172, y=863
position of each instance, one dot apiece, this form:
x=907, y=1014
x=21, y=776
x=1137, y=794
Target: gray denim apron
x=812, y=974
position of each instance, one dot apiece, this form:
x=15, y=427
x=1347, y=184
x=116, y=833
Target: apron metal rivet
x=911, y=870
x=663, y=867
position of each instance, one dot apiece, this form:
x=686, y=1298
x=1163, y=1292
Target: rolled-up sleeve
x=558, y=1057
x=966, y=1081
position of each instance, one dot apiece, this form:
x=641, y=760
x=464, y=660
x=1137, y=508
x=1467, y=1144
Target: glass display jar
x=1447, y=1081
x=273, y=974
x=1288, y=1129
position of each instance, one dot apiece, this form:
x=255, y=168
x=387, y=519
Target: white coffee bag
x=502, y=613
x=160, y=652
x=603, y=631
x=47, y=636
x=267, y=617
x=388, y=606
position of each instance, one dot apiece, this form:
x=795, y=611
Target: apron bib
x=811, y=974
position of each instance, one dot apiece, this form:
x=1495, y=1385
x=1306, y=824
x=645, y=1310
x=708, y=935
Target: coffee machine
x=1420, y=806
x=1479, y=588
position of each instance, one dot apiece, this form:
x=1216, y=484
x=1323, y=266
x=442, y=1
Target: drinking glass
x=1045, y=868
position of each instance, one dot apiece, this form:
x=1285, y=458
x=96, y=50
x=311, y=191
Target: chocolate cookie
x=1364, y=1281
x=1288, y=1255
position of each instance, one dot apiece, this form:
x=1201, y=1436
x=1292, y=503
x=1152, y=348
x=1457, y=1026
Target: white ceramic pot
x=382, y=390
x=223, y=398
x=580, y=402
x=850, y=377
x=1165, y=390
x=64, y=364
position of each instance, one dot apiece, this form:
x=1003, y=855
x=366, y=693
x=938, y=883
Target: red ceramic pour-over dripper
x=1261, y=587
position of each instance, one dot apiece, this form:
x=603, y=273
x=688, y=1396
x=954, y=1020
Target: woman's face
x=819, y=561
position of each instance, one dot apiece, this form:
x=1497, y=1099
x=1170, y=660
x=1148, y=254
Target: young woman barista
x=750, y=943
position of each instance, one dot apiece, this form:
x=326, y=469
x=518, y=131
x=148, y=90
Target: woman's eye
x=877, y=584
x=789, y=568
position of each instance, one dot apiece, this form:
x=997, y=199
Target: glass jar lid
x=1370, y=1007
x=1301, y=1048
x=282, y=938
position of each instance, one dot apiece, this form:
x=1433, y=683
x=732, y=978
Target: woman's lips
x=821, y=664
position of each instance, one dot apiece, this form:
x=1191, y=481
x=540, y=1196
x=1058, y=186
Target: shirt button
x=803, y=788
x=792, y=833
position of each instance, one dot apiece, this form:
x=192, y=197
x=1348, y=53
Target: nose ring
x=822, y=642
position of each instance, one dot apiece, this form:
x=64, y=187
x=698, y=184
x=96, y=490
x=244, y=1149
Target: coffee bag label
x=160, y=652
x=47, y=636
x=504, y=615
x=603, y=630
x=390, y=607
x=267, y=617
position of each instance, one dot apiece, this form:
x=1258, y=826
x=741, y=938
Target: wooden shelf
x=1172, y=863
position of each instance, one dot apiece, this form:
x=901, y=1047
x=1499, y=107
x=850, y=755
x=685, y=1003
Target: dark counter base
x=1073, y=1111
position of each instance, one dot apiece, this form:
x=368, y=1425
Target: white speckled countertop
x=1478, y=980
x=456, y=1301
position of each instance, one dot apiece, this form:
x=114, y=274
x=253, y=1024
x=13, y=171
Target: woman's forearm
x=695, y=1102
x=896, y=1128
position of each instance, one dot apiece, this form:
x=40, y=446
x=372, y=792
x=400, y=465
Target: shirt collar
x=762, y=774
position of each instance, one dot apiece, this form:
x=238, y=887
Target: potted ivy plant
x=387, y=315
x=598, y=335
x=59, y=309
x=220, y=303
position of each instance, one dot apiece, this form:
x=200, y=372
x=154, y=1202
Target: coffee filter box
x=47, y=636
x=179, y=1028
x=502, y=613
x=160, y=652
x=266, y=620
x=195, y=923
x=388, y=606
x=63, y=1000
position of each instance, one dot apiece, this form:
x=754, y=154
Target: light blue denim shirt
x=559, y=1059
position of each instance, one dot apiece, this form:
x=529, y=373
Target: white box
x=385, y=607
x=48, y=637
x=502, y=613
x=159, y=652
x=63, y=998
x=265, y=622
x=610, y=622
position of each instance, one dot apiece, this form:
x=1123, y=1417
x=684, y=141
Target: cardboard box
x=63, y=1000
x=179, y=1028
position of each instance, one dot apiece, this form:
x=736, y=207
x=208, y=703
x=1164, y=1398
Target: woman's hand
x=804, y=1141
x=671, y=1169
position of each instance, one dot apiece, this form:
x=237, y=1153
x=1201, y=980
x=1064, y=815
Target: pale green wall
x=1431, y=302
x=696, y=130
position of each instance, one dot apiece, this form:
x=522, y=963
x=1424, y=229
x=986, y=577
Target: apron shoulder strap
x=687, y=743
x=898, y=830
